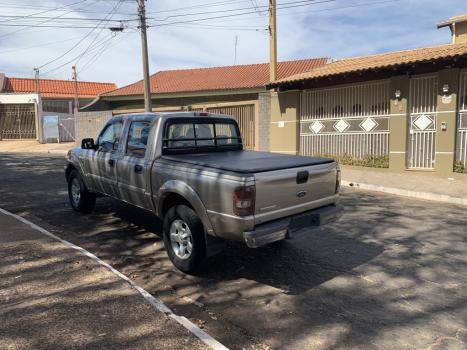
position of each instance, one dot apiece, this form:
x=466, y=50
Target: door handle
x=138, y=169
x=111, y=162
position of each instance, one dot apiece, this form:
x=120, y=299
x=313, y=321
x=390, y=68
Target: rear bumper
x=283, y=228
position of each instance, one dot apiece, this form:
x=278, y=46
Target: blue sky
x=337, y=29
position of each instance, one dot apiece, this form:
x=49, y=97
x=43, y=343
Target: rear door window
x=138, y=138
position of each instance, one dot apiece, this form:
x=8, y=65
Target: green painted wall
x=398, y=123
x=285, y=114
x=447, y=115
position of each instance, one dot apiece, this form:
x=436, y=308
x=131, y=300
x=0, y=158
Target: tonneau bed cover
x=247, y=161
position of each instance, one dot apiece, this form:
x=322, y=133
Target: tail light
x=338, y=179
x=244, y=201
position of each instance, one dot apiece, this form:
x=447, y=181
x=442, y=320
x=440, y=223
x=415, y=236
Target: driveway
x=391, y=274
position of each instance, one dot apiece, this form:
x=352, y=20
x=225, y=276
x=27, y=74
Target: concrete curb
x=155, y=302
x=407, y=193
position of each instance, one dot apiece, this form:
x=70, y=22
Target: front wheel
x=80, y=198
x=184, y=238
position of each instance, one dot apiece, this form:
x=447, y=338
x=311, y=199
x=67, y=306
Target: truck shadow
x=293, y=266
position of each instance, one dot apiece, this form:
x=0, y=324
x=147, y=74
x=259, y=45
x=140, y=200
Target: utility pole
x=144, y=47
x=75, y=86
x=36, y=80
x=37, y=105
x=235, y=51
x=272, y=41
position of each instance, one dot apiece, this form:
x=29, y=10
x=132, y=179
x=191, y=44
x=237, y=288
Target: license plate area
x=304, y=220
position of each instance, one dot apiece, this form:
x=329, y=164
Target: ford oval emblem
x=301, y=194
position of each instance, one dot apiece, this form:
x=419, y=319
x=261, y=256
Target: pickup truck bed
x=246, y=162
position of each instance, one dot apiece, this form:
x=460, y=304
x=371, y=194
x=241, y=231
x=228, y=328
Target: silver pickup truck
x=191, y=171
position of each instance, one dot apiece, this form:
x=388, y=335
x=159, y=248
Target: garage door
x=245, y=117
x=17, y=121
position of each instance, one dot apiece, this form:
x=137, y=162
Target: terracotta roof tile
x=217, y=78
x=381, y=61
x=57, y=88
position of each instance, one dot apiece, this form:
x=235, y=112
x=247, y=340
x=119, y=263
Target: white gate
x=66, y=128
x=350, y=122
x=422, y=122
x=461, y=148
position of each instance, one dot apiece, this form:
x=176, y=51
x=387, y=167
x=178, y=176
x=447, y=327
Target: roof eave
x=444, y=24
x=359, y=71
x=187, y=94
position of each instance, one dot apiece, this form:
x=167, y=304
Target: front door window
x=109, y=139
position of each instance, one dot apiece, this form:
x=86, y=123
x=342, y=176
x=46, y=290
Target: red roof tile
x=380, y=61
x=57, y=88
x=217, y=78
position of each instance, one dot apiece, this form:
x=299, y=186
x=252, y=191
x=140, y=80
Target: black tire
x=86, y=201
x=198, y=251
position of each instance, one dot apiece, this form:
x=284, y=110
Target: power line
x=80, y=41
x=212, y=4
x=57, y=8
x=256, y=7
x=307, y=2
x=39, y=45
x=282, y=14
x=21, y=29
x=315, y=2
x=99, y=53
x=92, y=50
x=68, y=18
x=99, y=33
x=26, y=26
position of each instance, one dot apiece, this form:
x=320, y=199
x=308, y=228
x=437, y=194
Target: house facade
x=43, y=109
x=235, y=90
x=400, y=111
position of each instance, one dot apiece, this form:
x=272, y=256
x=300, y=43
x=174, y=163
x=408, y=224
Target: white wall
x=18, y=98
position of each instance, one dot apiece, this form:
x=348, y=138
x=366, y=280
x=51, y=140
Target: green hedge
x=460, y=167
x=367, y=161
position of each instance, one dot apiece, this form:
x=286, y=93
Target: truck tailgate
x=286, y=192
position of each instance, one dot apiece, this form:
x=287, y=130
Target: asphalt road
x=391, y=274
x=54, y=297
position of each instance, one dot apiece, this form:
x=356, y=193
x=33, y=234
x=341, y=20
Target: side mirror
x=88, y=144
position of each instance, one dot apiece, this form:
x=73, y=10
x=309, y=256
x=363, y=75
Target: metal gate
x=349, y=122
x=245, y=117
x=17, y=121
x=422, y=122
x=58, y=128
x=461, y=148
x=66, y=128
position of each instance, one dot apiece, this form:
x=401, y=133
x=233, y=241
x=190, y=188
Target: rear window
x=195, y=135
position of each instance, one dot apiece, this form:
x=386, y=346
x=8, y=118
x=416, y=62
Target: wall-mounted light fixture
x=445, y=89
x=397, y=93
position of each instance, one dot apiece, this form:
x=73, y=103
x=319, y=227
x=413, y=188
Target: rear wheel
x=80, y=198
x=184, y=238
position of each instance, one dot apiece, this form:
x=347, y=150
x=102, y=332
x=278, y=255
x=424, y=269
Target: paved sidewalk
x=408, y=184
x=32, y=146
x=54, y=297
